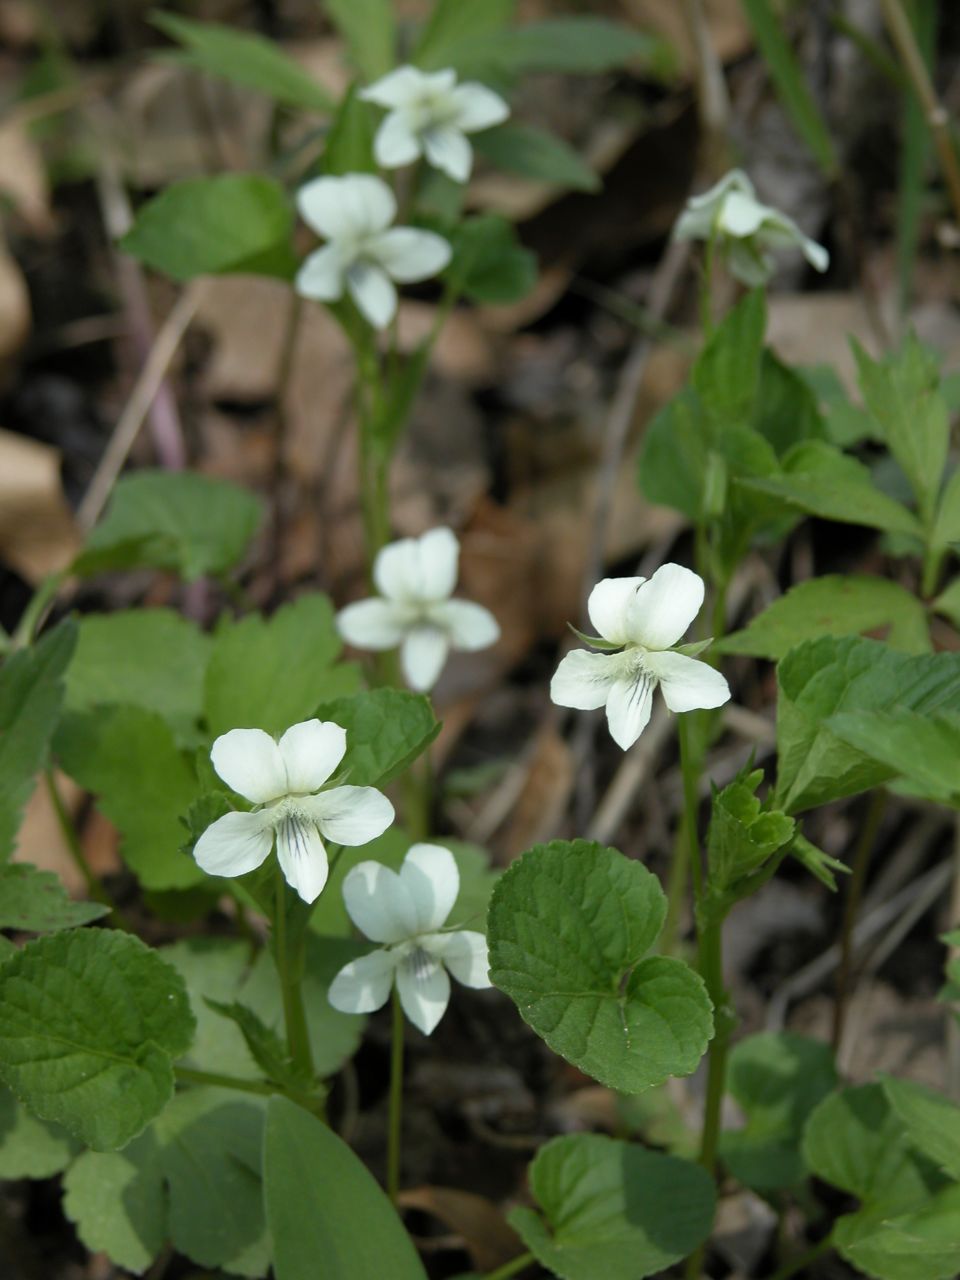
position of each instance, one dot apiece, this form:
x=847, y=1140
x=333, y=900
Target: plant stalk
x=94, y=888
x=288, y=955
x=511, y=1268
x=801, y=1263
x=395, y=1125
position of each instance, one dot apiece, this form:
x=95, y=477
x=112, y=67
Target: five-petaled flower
x=406, y=911
x=646, y=617
x=284, y=780
x=415, y=578
x=744, y=229
x=365, y=254
x=430, y=114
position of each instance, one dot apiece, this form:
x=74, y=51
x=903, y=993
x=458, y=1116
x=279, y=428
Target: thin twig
x=713, y=101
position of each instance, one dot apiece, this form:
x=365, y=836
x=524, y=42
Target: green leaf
x=834, y=605
x=798, y=102
x=822, y=678
x=30, y=1148
x=349, y=144
x=786, y=411
x=322, y=1203
x=230, y=224
x=129, y=759
x=213, y=969
x=369, y=30
x=89, y=1023
x=192, y=1178
x=37, y=902
x=489, y=264
x=613, y=1209
x=31, y=691
x=386, y=730
x=537, y=155
x=270, y=673
x=267, y=1047
x=820, y=865
x=455, y=26
x=946, y=529
x=742, y=836
x=777, y=1078
x=569, y=926
x=248, y=60
x=726, y=375
x=923, y=748
x=948, y=602
x=187, y=523
x=575, y=45
x=149, y=658
x=902, y=393
x=932, y=1121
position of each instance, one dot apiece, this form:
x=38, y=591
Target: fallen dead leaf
x=485, y=1232
x=23, y=177
x=41, y=841
x=14, y=308
x=729, y=30
x=38, y=535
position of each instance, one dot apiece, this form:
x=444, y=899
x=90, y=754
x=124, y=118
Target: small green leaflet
x=726, y=375
x=349, y=142
x=36, y=902
x=569, y=926
x=537, y=155
x=386, y=730
x=742, y=837
x=922, y=748
x=931, y=1120
x=30, y=1148
x=369, y=31
x=489, y=263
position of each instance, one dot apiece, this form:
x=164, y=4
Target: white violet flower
x=429, y=113
x=646, y=617
x=745, y=229
x=406, y=911
x=284, y=780
x=415, y=578
x=365, y=254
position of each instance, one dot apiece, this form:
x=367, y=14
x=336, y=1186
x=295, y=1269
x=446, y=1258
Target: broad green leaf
x=349, y=143
x=455, y=26
x=537, y=155
x=923, y=748
x=742, y=835
x=777, y=1078
x=270, y=673
x=386, y=730
x=267, y=1047
x=213, y=969
x=826, y=677
x=188, y=523
x=902, y=394
x=932, y=1121
x=946, y=529
x=786, y=410
x=489, y=263
x=193, y=1178
x=36, y=901
x=229, y=224
x=369, y=30
x=149, y=658
x=834, y=605
x=613, y=1209
x=569, y=927
x=323, y=1204
x=30, y=1148
x=948, y=602
x=248, y=60
x=819, y=479
x=89, y=1022
x=31, y=692
x=574, y=45
x=726, y=375
x=792, y=88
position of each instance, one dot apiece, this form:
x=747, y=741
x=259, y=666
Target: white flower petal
x=234, y=844
x=379, y=903
x=373, y=292
x=664, y=606
x=608, y=607
x=408, y=254
x=465, y=954
x=311, y=751
x=422, y=655
x=250, y=763
x=406, y=84
x=741, y=216
x=424, y=990
x=355, y=205
x=321, y=275
x=430, y=874
x=583, y=680
x=449, y=151
x=697, y=220
x=372, y=624
x=628, y=709
x=439, y=553
x=747, y=263
x=815, y=253
x=418, y=569
x=470, y=626
x=364, y=984
x=302, y=857
x=350, y=815
x=687, y=684
x=396, y=143
x=477, y=107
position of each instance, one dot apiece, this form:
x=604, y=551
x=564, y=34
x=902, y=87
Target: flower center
x=432, y=111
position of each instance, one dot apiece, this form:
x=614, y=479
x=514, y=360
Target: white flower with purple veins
x=284, y=780
x=745, y=229
x=430, y=114
x=416, y=578
x=643, y=619
x=406, y=911
x=365, y=254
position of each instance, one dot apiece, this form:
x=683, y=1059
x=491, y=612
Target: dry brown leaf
x=40, y=840
x=23, y=177
x=14, y=307
x=729, y=30
x=485, y=1232
x=38, y=535
x=543, y=801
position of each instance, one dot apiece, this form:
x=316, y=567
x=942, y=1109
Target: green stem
x=418, y=797
x=289, y=960
x=37, y=609
x=858, y=876
x=396, y=1099
x=189, y=1076
x=799, y=1264
x=511, y=1268
x=94, y=888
